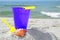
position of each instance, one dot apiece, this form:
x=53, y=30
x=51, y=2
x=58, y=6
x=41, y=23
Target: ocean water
x=44, y=9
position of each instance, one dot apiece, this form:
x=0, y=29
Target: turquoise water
x=44, y=6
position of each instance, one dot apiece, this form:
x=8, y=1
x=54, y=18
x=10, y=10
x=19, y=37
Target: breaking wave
x=51, y=14
x=58, y=6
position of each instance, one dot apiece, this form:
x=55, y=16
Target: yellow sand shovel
x=12, y=29
x=29, y=7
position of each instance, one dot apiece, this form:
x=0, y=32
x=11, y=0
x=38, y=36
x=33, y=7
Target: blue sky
x=29, y=0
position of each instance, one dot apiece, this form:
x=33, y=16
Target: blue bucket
x=21, y=17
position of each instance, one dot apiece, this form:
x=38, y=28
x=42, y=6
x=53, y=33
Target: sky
x=29, y=0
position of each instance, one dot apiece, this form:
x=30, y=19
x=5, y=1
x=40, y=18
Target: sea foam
x=51, y=14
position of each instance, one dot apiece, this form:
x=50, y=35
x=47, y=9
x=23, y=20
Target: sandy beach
x=35, y=30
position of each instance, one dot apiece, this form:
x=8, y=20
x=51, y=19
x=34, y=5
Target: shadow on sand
x=39, y=35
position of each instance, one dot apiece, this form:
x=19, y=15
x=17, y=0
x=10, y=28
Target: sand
x=38, y=29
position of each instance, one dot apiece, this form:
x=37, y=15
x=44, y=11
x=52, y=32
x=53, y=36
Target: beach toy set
x=21, y=17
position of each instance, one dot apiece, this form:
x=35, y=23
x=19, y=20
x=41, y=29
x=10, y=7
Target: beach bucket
x=21, y=17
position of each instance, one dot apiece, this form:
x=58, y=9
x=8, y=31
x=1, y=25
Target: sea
x=44, y=9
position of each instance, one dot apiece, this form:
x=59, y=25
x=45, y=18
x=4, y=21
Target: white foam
x=51, y=14
x=58, y=6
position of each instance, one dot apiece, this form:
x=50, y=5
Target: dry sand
x=38, y=29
